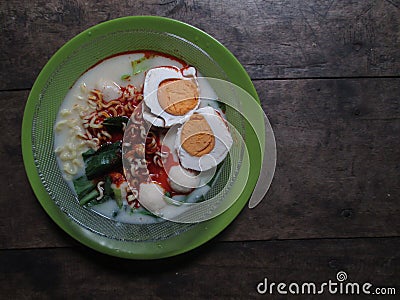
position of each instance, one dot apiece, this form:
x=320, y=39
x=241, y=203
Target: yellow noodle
x=142, y=132
x=130, y=106
x=93, y=125
x=77, y=162
x=71, y=146
x=121, y=107
x=68, y=155
x=134, y=182
x=126, y=107
x=60, y=124
x=100, y=189
x=106, y=134
x=65, y=112
x=59, y=149
x=88, y=134
x=97, y=93
x=112, y=102
x=113, y=111
x=92, y=103
x=83, y=88
x=104, y=114
x=72, y=123
x=70, y=169
x=81, y=136
x=93, y=143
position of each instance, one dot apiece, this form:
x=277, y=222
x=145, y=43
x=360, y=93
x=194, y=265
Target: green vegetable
x=138, y=66
x=118, y=197
x=216, y=175
x=107, y=158
x=85, y=189
x=169, y=200
x=222, y=106
x=83, y=186
x=88, y=153
x=89, y=197
x=107, y=186
x=116, y=122
x=125, y=76
x=117, y=194
x=108, y=191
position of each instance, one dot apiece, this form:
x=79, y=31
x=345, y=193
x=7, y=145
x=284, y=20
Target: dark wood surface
x=328, y=76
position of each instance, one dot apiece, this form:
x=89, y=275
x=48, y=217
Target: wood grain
x=71, y=273
x=338, y=161
x=23, y=221
x=337, y=172
x=272, y=39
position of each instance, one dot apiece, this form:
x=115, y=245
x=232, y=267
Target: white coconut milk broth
x=112, y=69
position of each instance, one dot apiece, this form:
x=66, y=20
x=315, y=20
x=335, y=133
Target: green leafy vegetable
x=118, y=196
x=108, y=191
x=83, y=186
x=222, y=106
x=216, y=175
x=90, y=197
x=107, y=158
x=85, y=189
x=88, y=153
x=138, y=66
x=125, y=76
x=116, y=122
x=97, y=164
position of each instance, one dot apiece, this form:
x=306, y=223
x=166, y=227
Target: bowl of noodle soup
x=79, y=110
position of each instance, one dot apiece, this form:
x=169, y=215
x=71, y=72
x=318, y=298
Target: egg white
x=223, y=143
x=151, y=83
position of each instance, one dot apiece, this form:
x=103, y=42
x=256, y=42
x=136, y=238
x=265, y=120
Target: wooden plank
x=218, y=270
x=24, y=222
x=272, y=39
x=338, y=161
x=337, y=172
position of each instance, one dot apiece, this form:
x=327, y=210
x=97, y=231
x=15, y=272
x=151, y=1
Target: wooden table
x=328, y=75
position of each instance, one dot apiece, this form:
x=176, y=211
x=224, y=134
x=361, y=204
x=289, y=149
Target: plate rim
x=188, y=240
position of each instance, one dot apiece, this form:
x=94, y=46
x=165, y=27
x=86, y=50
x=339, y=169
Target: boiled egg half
x=203, y=141
x=170, y=94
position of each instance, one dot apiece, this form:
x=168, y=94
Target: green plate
x=173, y=245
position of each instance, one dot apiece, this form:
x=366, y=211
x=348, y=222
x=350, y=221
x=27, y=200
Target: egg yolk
x=197, y=137
x=178, y=96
